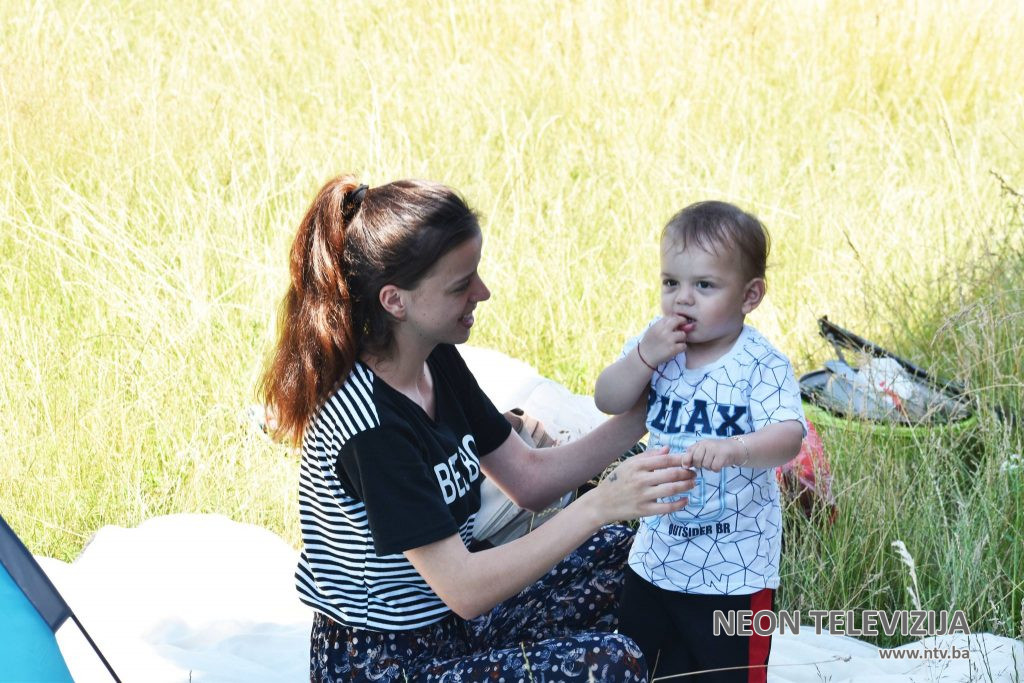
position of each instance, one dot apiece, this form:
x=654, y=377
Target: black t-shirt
x=378, y=477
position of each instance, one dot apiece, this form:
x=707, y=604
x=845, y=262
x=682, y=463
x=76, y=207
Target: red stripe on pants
x=760, y=646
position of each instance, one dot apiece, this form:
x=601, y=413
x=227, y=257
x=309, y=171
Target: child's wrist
x=742, y=460
x=643, y=360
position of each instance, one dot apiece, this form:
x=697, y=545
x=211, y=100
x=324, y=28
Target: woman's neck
x=409, y=375
x=404, y=369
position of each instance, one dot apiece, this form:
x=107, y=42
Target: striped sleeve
x=340, y=573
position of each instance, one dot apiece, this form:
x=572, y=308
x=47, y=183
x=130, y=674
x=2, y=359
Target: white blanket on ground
x=203, y=598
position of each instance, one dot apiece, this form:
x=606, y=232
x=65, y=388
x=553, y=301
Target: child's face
x=710, y=292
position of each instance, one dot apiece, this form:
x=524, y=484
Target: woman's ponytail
x=318, y=343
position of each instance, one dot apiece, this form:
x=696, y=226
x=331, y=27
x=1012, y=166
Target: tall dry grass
x=156, y=157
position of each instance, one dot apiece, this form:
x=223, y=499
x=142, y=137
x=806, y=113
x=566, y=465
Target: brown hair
x=351, y=242
x=713, y=225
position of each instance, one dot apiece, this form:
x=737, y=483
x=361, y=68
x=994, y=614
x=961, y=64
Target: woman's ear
x=392, y=300
x=753, y=294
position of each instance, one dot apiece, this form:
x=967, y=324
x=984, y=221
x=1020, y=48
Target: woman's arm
x=534, y=477
x=472, y=583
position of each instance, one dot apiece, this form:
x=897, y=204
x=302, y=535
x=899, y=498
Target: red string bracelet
x=641, y=356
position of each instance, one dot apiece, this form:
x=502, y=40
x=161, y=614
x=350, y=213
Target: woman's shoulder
x=447, y=359
x=351, y=408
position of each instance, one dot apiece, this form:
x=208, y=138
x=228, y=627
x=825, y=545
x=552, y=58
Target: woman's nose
x=481, y=293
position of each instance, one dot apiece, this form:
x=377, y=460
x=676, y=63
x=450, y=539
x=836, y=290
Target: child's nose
x=685, y=294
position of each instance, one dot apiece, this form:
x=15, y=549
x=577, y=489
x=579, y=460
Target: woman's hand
x=472, y=583
x=636, y=487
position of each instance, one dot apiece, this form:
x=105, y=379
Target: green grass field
x=155, y=159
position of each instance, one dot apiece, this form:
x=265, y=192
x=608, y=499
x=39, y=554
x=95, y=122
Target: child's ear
x=753, y=294
x=393, y=301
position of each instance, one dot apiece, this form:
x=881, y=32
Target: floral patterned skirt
x=558, y=629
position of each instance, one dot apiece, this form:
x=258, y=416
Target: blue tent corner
x=28, y=648
x=32, y=611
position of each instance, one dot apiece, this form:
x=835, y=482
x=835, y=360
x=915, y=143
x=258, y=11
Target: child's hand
x=664, y=340
x=714, y=454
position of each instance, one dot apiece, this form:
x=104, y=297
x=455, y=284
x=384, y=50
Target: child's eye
x=668, y=282
x=704, y=284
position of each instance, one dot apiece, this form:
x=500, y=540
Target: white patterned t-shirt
x=727, y=540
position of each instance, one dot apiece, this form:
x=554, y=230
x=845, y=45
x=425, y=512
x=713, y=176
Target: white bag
x=499, y=519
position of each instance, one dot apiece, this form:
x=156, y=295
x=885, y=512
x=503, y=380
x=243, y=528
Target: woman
x=395, y=436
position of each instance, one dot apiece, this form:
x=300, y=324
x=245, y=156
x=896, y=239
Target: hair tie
x=356, y=196
x=352, y=201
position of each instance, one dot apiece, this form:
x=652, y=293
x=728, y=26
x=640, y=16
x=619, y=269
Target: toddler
x=718, y=391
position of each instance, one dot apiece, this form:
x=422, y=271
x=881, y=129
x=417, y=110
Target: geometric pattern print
x=339, y=573
x=728, y=538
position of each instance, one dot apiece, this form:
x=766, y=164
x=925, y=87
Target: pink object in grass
x=807, y=478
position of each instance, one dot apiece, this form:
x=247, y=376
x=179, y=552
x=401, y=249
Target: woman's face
x=440, y=308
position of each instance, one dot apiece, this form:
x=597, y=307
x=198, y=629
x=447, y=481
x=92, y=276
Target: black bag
x=880, y=386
